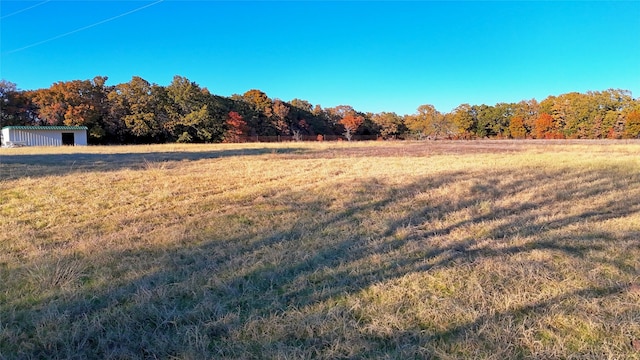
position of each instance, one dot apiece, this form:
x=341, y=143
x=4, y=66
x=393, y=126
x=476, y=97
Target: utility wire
x=25, y=9
x=82, y=28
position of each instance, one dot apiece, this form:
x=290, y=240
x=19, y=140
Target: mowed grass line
x=493, y=249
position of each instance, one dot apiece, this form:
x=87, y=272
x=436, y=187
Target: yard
x=467, y=249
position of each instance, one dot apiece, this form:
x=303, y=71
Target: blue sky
x=375, y=56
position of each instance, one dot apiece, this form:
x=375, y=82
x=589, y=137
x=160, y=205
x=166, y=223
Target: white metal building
x=44, y=135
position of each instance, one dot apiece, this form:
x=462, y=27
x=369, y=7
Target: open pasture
x=444, y=250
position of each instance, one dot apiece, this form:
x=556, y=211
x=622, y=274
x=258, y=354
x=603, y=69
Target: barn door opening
x=68, y=139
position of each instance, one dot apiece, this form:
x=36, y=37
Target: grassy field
x=444, y=250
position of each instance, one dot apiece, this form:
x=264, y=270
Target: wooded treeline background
x=142, y=112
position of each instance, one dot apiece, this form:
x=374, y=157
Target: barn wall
x=41, y=137
x=35, y=138
x=80, y=137
x=5, y=136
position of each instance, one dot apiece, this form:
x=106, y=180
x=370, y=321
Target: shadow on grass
x=38, y=165
x=231, y=296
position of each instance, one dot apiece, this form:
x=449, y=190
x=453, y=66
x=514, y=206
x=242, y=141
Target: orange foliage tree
x=74, y=103
x=632, y=125
x=543, y=126
x=236, y=127
x=351, y=123
x=516, y=128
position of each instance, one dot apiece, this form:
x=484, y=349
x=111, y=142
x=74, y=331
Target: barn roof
x=54, y=128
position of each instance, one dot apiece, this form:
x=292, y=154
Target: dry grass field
x=443, y=250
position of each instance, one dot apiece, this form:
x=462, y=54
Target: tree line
x=141, y=112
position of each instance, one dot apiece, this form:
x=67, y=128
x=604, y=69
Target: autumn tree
x=51, y=103
x=528, y=110
x=334, y=115
x=390, y=124
x=258, y=112
x=543, y=127
x=351, y=123
x=547, y=105
x=138, y=111
x=429, y=122
x=280, y=110
x=78, y=103
x=607, y=112
x=236, y=128
x=632, y=125
x=465, y=120
x=317, y=110
x=573, y=114
x=420, y=123
x=301, y=104
x=314, y=117
x=258, y=99
x=594, y=114
x=444, y=126
x=16, y=107
x=516, y=128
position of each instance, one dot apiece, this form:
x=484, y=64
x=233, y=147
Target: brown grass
x=490, y=249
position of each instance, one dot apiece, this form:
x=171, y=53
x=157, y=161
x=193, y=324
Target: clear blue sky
x=374, y=56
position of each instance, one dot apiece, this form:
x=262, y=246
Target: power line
x=82, y=28
x=25, y=9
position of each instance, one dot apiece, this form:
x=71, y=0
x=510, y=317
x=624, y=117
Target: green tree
x=465, y=120
x=136, y=104
x=191, y=116
x=608, y=108
x=484, y=119
x=493, y=120
x=301, y=104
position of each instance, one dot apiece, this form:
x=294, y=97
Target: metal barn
x=44, y=136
